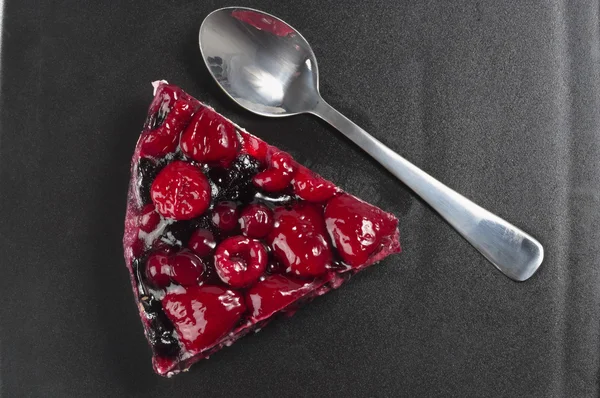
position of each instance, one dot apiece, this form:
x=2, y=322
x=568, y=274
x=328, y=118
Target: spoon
x=267, y=67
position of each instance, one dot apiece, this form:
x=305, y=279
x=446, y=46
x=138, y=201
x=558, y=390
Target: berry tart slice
x=224, y=231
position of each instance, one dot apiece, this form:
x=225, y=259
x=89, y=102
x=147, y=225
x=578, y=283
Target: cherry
x=180, y=191
x=202, y=242
x=299, y=240
x=256, y=220
x=278, y=175
x=148, y=218
x=187, y=268
x=209, y=138
x=203, y=315
x=158, y=270
x=225, y=216
x=239, y=261
x=163, y=139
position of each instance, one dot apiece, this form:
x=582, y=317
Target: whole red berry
x=158, y=270
x=299, y=240
x=149, y=218
x=187, y=268
x=278, y=175
x=202, y=242
x=209, y=138
x=256, y=220
x=240, y=261
x=163, y=140
x=225, y=216
x=180, y=191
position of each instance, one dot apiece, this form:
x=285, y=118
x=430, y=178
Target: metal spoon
x=267, y=67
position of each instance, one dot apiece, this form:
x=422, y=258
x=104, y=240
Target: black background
x=498, y=99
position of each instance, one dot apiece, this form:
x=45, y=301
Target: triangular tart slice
x=223, y=231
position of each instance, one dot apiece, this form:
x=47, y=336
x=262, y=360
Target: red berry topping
x=312, y=187
x=158, y=270
x=163, y=139
x=209, y=138
x=187, y=268
x=225, y=216
x=279, y=174
x=240, y=261
x=180, y=191
x=149, y=218
x=274, y=293
x=256, y=221
x=202, y=242
x=359, y=229
x=254, y=147
x=203, y=315
x=299, y=240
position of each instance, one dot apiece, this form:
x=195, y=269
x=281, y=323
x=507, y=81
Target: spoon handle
x=512, y=251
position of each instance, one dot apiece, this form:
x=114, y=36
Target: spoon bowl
x=260, y=61
x=267, y=67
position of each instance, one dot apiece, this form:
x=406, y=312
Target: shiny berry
x=202, y=242
x=299, y=240
x=163, y=140
x=256, y=220
x=149, y=218
x=180, y=191
x=164, y=247
x=311, y=187
x=209, y=138
x=240, y=261
x=278, y=175
x=203, y=315
x=275, y=293
x=158, y=270
x=359, y=230
x=225, y=216
x=254, y=147
x=187, y=268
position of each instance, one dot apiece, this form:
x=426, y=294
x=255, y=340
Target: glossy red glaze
x=357, y=228
x=202, y=242
x=187, y=268
x=273, y=294
x=158, y=270
x=209, y=138
x=149, y=218
x=254, y=147
x=163, y=140
x=311, y=187
x=278, y=175
x=225, y=216
x=203, y=315
x=180, y=191
x=240, y=261
x=256, y=220
x=299, y=240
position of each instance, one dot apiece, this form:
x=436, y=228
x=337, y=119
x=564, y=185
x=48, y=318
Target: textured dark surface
x=498, y=99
